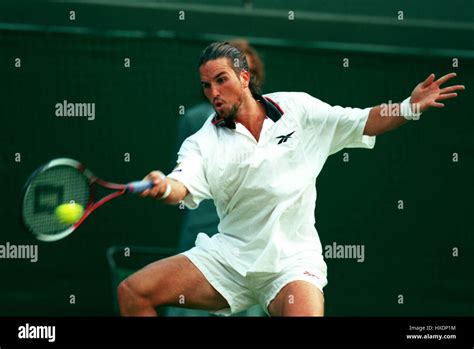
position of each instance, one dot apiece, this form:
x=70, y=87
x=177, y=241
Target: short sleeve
x=341, y=127
x=190, y=172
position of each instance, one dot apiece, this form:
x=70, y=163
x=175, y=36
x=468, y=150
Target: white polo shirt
x=265, y=191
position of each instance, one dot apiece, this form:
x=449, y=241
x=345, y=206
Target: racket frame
x=93, y=181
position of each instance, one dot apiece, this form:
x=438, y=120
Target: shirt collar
x=272, y=110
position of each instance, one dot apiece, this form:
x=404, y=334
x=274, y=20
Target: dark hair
x=236, y=57
x=257, y=68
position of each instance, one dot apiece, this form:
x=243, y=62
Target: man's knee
x=298, y=298
x=129, y=295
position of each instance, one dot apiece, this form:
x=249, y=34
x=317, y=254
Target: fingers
x=445, y=78
x=446, y=96
x=452, y=88
x=158, y=189
x=159, y=184
x=428, y=80
x=437, y=105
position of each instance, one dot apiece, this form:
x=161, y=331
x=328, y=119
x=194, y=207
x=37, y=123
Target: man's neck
x=252, y=116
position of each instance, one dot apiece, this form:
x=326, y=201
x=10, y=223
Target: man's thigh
x=176, y=281
x=298, y=298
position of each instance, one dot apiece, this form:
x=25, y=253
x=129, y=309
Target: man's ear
x=245, y=78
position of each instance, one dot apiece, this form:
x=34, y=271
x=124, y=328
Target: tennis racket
x=62, y=181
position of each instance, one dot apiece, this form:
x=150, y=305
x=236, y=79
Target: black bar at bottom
x=414, y=332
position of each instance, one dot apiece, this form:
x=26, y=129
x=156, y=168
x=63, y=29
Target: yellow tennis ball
x=69, y=213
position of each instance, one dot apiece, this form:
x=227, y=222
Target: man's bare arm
x=426, y=94
x=378, y=123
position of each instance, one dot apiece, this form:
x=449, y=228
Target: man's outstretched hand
x=429, y=92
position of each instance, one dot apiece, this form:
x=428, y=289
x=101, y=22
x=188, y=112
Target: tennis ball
x=69, y=213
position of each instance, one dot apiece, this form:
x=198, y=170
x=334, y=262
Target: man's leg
x=298, y=298
x=171, y=281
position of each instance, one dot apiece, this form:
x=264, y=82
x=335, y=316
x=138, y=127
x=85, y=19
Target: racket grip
x=139, y=186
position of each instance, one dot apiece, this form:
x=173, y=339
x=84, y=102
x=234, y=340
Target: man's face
x=222, y=87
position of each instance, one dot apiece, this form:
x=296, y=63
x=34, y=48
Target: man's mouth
x=218, y=104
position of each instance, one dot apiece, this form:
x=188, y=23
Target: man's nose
x=214, y=91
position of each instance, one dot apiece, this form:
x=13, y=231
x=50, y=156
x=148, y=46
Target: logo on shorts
x=310, y=274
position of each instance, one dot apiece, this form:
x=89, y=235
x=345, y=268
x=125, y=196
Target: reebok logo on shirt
x=284, y=138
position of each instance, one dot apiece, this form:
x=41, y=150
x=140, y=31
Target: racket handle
x=139, y=186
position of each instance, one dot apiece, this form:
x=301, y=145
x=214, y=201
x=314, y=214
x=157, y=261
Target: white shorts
x=255, y=288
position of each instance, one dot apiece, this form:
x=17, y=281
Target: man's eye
x=205, y=86
x=220, y=80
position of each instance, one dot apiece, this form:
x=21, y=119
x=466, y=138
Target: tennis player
x=258, y=158
x=205, y=218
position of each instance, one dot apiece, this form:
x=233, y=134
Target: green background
x=408, y=252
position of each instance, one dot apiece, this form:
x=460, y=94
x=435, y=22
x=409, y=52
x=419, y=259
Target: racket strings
x=53, y=187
